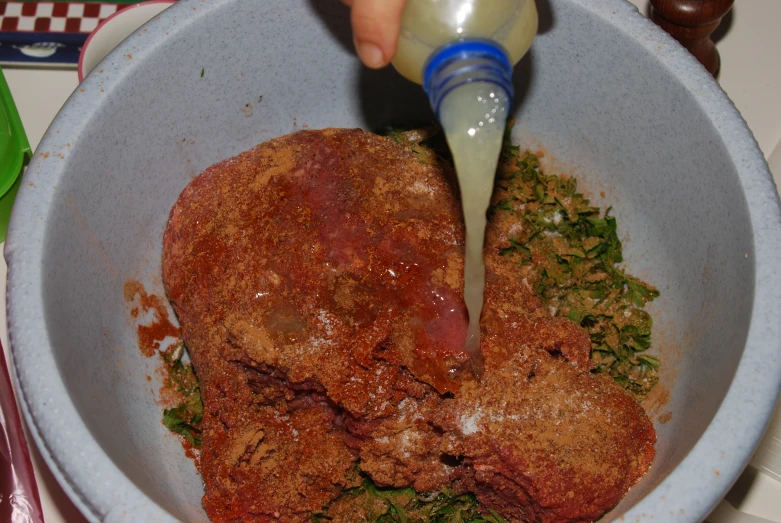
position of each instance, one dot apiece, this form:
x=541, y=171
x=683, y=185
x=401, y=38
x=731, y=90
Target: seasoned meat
x=547, y=442
x=540, y=439
x=281, y=463
x=309, y=260
x=318, y=282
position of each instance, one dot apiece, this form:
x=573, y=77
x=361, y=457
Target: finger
x=376, y=25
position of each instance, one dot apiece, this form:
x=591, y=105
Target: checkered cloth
x=54, y=17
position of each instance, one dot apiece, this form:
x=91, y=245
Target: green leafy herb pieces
x=414, y=139
x=388, y=505
x=181, y=421
x=202, y=72
x=572, y=252
x=185, y=418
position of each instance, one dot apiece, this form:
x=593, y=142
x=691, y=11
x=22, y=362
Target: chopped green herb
x=185, y=418
x=571, y=250
x=202, y=72
x=434, y=150
x=179, y=420
x=388, y=505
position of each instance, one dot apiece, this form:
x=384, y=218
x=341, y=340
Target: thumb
x=376, y=25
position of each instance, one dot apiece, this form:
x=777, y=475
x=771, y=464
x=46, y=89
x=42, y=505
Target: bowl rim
x=729, y=439
x=102, y=25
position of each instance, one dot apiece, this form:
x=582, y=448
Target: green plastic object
x=15, y=152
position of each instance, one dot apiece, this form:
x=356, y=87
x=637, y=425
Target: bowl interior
x=232, y=73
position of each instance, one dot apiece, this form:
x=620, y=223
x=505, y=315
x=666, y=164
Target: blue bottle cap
x=465, y=61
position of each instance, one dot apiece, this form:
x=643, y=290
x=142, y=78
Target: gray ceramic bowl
x=612, y=99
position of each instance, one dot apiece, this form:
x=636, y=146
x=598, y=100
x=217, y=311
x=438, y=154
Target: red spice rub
x=318, y=282
x=149, y=336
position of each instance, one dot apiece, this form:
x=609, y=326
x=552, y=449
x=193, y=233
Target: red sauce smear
x=149, y=336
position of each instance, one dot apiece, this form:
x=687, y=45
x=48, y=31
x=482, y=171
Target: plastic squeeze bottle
x=463, y=53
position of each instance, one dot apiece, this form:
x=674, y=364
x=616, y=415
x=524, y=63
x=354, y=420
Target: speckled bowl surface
x=609, y=96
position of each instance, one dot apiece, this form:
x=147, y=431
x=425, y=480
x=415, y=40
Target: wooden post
x=691, y=22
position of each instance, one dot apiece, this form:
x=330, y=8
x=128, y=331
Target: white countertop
x=750, y=75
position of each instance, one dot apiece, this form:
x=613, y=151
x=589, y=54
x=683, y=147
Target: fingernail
x=370, y=55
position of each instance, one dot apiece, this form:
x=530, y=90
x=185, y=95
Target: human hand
x=376, y=25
